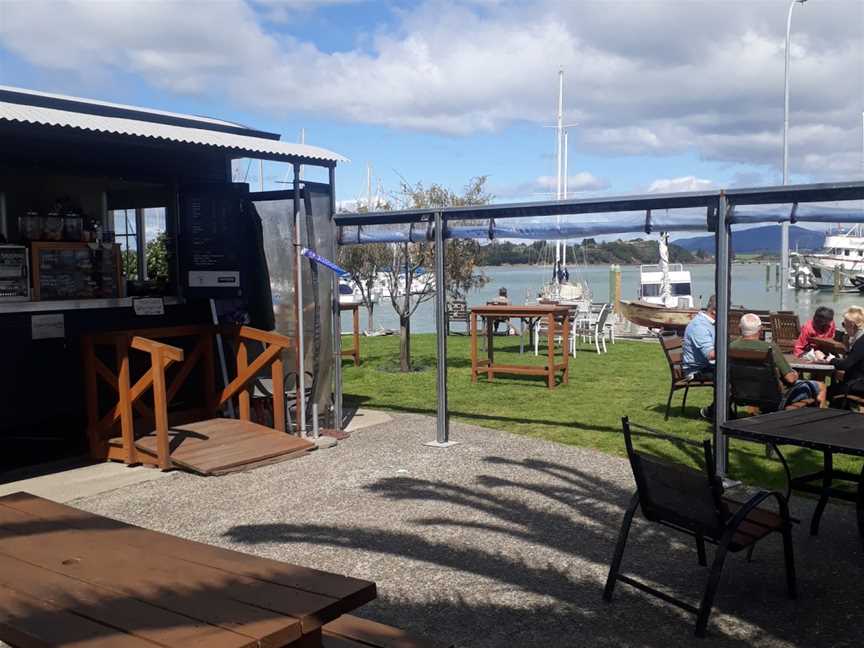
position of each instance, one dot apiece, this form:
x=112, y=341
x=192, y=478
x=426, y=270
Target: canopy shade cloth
x=571, y=226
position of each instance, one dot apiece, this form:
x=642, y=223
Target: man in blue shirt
x=698, y=349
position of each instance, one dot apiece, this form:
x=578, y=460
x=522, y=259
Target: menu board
x=210, y=242
x=75, y=271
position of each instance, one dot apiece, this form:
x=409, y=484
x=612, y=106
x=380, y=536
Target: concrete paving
x=364, y=418
x=84, y=481
x=502, y=541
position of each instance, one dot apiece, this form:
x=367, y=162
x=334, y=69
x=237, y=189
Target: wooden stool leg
x=473, y=325
x=550, y=360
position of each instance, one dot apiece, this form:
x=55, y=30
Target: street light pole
x=784, y=229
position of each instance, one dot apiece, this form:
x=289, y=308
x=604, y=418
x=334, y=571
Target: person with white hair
x=796, y=390
x=852, y=364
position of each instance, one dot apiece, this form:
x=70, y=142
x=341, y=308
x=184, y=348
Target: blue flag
x=317, y=258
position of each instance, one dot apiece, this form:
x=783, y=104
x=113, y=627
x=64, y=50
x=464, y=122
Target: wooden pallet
x=219, y=446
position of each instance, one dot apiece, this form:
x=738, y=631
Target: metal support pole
x=298, y=309
x=337, y=318
x=442, y=436
x=784, y=228
x=721, y=327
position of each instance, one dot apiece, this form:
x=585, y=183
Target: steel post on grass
x=442, y=420
x=337, y=317
x=721, y=327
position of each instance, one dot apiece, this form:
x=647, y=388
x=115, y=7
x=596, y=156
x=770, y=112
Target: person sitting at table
x=697, y=352
x=820, y=327
x=795, y=389
x=852, y=364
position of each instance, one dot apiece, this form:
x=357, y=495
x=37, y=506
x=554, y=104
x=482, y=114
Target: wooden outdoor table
x=354, y=351
x=552, y=314
x=829, y=431
x=68, y=577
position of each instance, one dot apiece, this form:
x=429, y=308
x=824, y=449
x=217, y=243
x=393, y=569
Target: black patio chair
x=754, y=381
x=673, y=350
x=691, y=501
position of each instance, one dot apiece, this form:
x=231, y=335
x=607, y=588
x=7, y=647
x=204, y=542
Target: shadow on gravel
x=491, y=533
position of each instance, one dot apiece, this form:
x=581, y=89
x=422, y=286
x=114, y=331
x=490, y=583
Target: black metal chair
x=755, y=381
x=673, y=350
x=692, y=502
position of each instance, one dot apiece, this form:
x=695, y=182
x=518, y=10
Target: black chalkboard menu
x=75, y=270
x=211, y=222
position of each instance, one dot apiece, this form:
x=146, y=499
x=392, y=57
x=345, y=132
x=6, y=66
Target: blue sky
x=440, y=91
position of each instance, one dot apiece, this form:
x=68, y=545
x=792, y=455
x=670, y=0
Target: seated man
x=697, y=353
x=796, y=390
x=820, y=327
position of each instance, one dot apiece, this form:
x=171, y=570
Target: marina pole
x=442, y=420
x=721, y=327
x=784, y=228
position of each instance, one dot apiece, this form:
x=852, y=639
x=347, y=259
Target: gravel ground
x=502, y=541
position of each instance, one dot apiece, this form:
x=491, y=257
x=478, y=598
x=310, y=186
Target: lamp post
x=784, y=236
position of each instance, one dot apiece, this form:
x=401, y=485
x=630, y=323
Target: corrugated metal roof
x=242, y=145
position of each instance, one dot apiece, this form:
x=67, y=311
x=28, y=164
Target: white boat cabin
x=680, y=294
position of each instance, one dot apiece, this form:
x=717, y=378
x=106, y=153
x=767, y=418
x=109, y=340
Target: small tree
x=460, y=257
x=156, y=253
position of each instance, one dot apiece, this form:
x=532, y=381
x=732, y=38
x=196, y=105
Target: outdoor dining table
x=553, y=314
x=819, y=370
x=829, y=431
x=68, y=577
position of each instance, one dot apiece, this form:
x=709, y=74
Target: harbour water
x=749, y=288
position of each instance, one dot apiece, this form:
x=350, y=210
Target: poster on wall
x=211, y=227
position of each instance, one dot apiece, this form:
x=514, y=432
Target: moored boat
x=656, y=316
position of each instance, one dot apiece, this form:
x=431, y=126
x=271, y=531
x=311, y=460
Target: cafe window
x=140, y=233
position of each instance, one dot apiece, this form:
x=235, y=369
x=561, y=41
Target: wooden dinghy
x=654, y=316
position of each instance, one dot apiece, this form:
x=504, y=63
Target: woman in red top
x=821, y=326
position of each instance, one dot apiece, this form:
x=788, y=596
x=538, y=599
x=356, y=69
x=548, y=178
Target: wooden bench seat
x=353, y=632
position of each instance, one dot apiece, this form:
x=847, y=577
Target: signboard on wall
x=210, y=248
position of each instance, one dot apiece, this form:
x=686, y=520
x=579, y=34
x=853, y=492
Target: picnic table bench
x=68, y=577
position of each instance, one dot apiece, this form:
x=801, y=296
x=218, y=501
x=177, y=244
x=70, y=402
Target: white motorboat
x=842, y=252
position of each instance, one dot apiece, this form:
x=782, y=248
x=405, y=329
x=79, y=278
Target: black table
x=828, y=431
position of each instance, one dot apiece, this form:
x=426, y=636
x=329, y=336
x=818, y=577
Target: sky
x=664, y=95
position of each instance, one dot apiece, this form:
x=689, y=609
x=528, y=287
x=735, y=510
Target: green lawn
x=632, y=380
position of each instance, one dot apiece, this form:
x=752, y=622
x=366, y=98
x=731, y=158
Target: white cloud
x=685, y=183
x=647, y=78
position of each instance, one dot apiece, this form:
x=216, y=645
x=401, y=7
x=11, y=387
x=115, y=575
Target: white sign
x=44, y=327
x=214, y=279
x=148, y=306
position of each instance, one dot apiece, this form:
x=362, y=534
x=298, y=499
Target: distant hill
x=758, y=240
x=589, y=251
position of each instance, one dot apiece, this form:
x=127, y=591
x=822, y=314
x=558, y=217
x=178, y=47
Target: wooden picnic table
x=68, y=577
x=829, y=431
x=551, y=313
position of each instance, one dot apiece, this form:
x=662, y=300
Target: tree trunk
x=370, y=306
x=405, y=344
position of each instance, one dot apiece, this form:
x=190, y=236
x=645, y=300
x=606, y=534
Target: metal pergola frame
x=719, y=208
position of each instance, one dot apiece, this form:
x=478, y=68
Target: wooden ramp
x=218, y=446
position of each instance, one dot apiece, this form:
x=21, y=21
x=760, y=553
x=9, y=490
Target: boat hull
x=654, y=316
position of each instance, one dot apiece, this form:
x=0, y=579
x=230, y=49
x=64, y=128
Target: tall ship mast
x=561, y=289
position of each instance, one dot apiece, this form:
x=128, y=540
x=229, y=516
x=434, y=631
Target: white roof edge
x=245, y=145
x=109, y=104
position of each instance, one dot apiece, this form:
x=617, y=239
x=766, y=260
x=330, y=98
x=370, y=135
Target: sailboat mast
x=559, y=146
x=369, y=186
x=564, y=196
